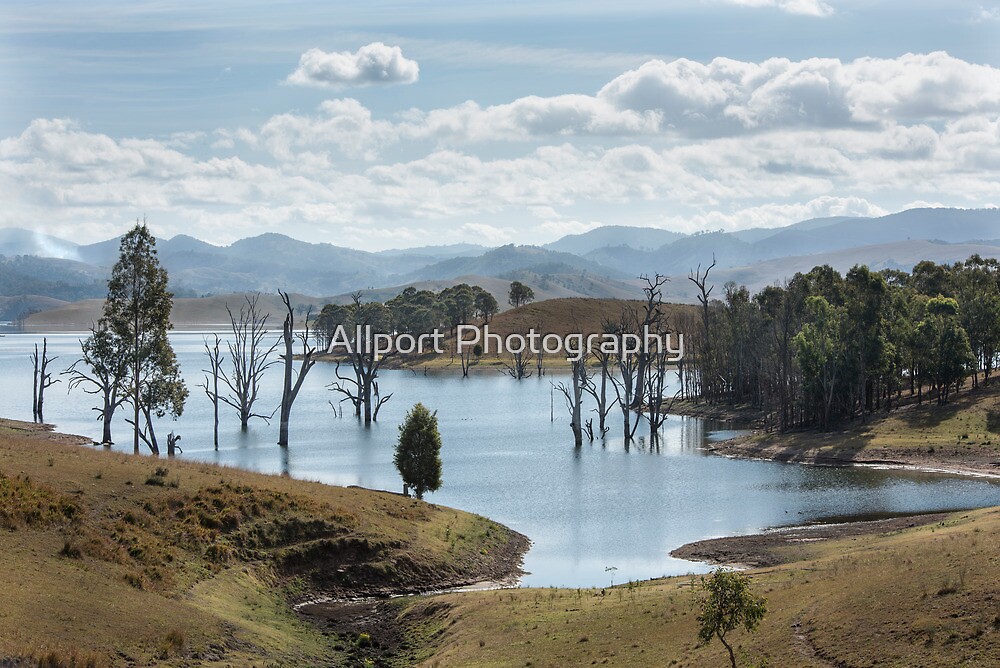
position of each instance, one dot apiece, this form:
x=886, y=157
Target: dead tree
x=362, y=390
x=627, y=363
x=517, y=366
x=172, y=447
x=651, y=318
x=42, y=379
x=101, y=371
x=211, y=384
x=465, y=355
x=703, y=362
x=599, y=389
x=658, y=363
x=290, y=389
x=249, y=353
x=573, y=393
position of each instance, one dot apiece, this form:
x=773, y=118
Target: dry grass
x=198, y=566
x=962, y=435
x=923, y=597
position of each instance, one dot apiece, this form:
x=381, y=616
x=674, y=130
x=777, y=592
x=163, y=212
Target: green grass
x=923, y=597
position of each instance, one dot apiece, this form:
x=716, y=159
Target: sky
x=396, y=124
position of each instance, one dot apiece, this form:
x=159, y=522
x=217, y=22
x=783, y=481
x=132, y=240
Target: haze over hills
x=38, y=271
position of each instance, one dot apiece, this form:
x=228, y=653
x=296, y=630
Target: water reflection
x=585, y=509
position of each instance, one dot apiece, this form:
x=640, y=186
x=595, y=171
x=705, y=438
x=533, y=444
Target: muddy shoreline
x=773, y=547
x=789, y=449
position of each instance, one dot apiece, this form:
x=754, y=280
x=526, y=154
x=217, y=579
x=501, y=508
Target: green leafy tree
x=486, y=304
x=946, y=357
x=101, y=371
x=418, y=452
x=137, y=311
x=728, y=604
x=520, y=294
x=819, y=347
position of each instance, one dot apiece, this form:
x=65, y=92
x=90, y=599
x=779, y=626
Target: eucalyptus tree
x=820, y=349
x=486, y=305
x=101, y=371
x=947, y=357
x=137, y=310
x=520, y=294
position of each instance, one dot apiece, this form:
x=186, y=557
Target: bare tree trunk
x=34, y=389
x=289, y=390
x=42, y=380
x=574, y=400
x=106, y=416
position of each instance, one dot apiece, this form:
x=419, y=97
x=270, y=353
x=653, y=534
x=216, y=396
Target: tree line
x=825, y=348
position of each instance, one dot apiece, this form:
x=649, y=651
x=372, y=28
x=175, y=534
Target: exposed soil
x=776, y=546
x=739, y=416
x=943, y=459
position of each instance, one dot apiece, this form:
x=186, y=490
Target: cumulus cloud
x=677, y=100
x=722, y=144
x=724, y=96
x=804, y=7
x=374, y=64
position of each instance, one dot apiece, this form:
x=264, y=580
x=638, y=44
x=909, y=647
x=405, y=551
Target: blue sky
x=404, y=123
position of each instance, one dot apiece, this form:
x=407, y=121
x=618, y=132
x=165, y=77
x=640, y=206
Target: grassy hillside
x=962, y=435
x=923, y=596
x=188, y=312
x=121, y=560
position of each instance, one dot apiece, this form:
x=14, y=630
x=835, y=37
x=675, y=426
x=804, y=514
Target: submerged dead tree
x=211, y=384
x=101, y=371
x=652, y=317
x=249, y=355
x=362, y=389
x=573, y=393
x=598, y=388
x=290, y=389
x=627, y=363
x=42, y=379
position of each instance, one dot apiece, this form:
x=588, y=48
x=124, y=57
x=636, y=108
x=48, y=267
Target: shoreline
x=505, y=567
x=779, y=545
x=761, y=446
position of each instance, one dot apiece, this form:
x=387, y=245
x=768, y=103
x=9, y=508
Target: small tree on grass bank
x=418, y=452
x=728, y=604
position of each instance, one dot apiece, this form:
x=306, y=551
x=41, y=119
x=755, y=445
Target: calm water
x=585, y=511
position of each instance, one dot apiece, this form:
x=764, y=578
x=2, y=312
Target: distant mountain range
x=39, y=271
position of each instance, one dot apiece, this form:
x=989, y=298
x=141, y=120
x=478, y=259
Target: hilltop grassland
x=921, y=596
x=962, y=435
x=113, y=559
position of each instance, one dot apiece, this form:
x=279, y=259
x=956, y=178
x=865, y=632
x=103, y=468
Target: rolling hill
x=600, y=263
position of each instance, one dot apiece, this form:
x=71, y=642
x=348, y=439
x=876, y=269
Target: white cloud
x=727, y=96
x=724, y=144
x=374, y=64
x=987, y=14
x=776, y=215
x=804, y=7
x=490, y=234
x=676, y=100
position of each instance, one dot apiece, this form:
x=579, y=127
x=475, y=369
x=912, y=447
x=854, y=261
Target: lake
x=600, y=507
